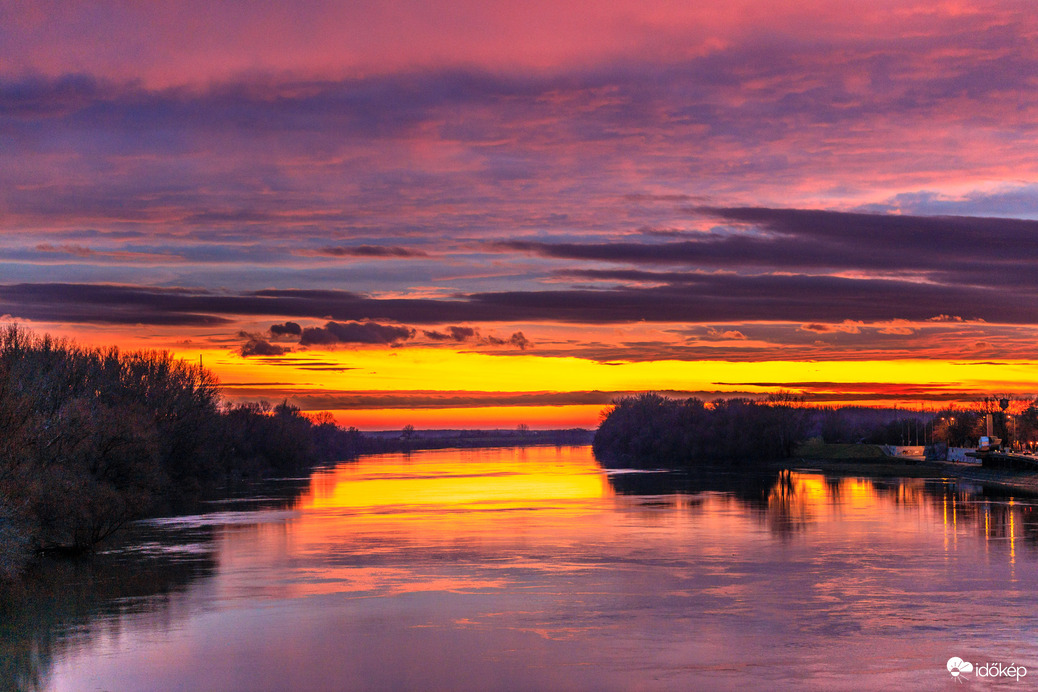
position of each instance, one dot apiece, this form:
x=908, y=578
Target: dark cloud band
x=933, y=267
x=697, y=298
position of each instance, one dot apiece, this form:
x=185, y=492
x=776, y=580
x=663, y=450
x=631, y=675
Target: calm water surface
x=535, y=569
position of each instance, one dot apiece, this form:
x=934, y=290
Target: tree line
x=650, y=430
x=952, y=426
x=92, y=438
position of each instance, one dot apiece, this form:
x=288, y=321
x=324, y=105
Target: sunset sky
x=480, y=214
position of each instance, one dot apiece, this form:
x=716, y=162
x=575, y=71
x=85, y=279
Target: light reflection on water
x=533, y=569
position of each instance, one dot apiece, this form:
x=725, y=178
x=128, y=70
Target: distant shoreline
x=473, y=439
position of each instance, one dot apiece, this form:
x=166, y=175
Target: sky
x=482, y=214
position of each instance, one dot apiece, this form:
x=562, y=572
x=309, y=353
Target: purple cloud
x=451, y=334
x=257, y=346
x=371, y=251
x=286, y=329
x=334, y=333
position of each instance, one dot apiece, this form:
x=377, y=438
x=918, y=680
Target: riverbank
x=856, y=459
x=869, y=460
x=878, y=468
x=1000, y=479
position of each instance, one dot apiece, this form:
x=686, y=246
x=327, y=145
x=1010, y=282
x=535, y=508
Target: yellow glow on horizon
x=883, y=383
x=500, y=417
x=445, y=370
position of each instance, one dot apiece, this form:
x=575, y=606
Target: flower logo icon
x=956, y=666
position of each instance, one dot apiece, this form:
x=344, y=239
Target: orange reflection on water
x=496, y=520
x=486, y=478
x=359, y=523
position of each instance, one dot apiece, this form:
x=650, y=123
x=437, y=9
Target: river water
x=533, y=568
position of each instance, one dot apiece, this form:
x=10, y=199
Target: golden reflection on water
x=487, y=479
x=387, y=525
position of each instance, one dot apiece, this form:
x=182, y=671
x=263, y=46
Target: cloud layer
x=777, y=265
x=747, y=181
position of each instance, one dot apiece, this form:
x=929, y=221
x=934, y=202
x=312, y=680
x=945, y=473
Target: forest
x=93, y=438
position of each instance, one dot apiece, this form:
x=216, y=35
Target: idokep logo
x=957, y=667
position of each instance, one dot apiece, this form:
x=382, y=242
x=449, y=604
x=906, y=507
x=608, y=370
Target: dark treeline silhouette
x=953, y=427
x=856, y=424
x=649, y=430
x=92, y=438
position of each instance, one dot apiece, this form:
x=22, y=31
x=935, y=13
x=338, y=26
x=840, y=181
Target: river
x=533, y=568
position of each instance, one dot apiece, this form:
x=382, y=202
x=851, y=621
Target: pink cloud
x=198, y=41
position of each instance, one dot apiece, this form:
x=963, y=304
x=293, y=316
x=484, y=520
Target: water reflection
x=471, y=480
x=752, y=487
x=534, y=568
x=69, y=606
x=790, y=501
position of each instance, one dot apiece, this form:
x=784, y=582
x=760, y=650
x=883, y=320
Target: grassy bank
x=816, y=449
x=856, y=460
